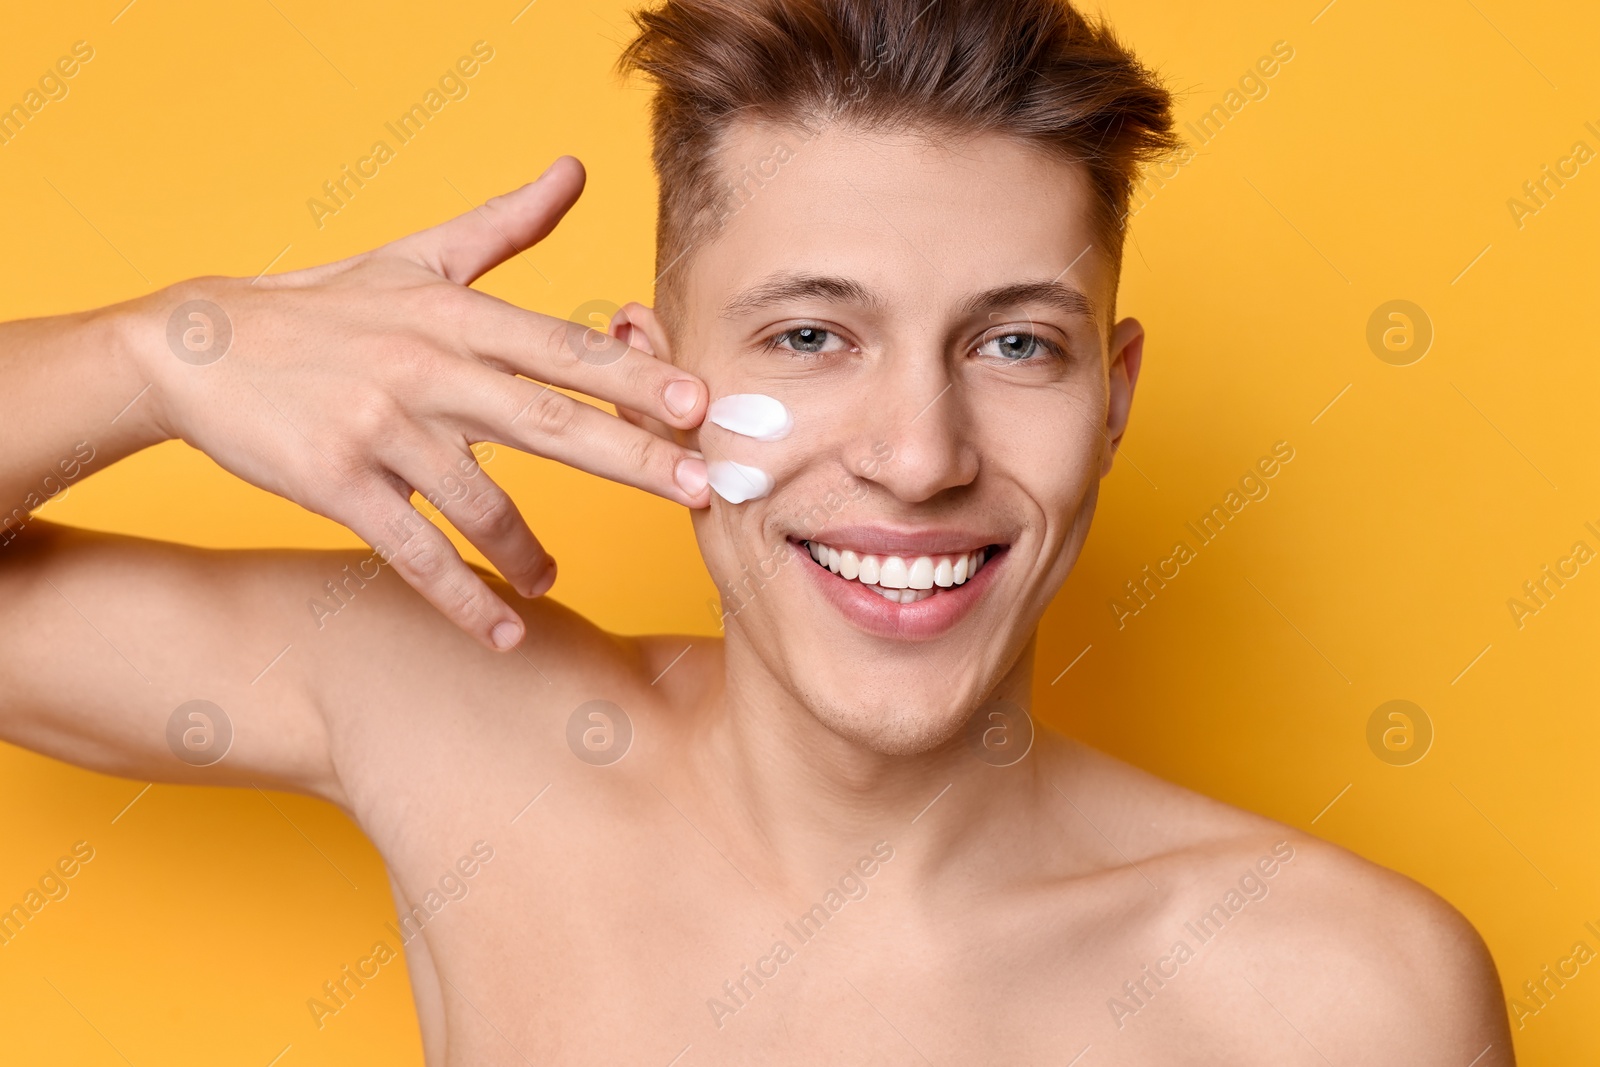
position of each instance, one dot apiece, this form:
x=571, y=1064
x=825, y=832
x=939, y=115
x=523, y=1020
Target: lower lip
x=927, y=618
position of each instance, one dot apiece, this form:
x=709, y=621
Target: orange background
x=1378, y=167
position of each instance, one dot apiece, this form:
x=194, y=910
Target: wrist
x=120, y=334
x=153, y=343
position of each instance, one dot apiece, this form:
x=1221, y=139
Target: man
x=833, y=836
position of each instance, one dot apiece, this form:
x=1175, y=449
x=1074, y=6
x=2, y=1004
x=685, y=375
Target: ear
x=1127, y=354
x=639, y=328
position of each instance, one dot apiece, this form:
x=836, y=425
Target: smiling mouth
x=902, y=579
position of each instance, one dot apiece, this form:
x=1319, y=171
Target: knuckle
x=490, y=513
x=551, y=414
x=348, y=461
x=564, y=341
x=600, y=349
x=650, y=456
x=589, y=343
x=495, y=204
x=421, y=559
x=409, y=359
x=468, y=600
x=443, y=306
x=372, y=414
x=646, y=377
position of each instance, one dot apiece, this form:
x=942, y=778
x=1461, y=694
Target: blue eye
x=1017, y=346
x=807, y=339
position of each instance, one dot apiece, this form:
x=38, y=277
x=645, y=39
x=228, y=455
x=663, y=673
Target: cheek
x=807, y=470
x=760, y=433
x=1049, y=440
x=749, y=569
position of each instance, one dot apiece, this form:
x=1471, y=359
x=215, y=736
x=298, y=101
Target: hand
x=346, y=387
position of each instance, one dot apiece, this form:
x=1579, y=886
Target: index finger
x=583, y=358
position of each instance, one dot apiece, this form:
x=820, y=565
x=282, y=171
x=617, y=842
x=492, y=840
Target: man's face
x=936, y=321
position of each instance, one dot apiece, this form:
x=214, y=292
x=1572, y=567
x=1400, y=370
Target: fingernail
x=681, y=397
x=691, y=475
x=547, y=170
x=506, y=635
x=542, y=584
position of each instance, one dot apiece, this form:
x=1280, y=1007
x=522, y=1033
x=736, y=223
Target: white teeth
x=901, y=596
x=900, y=579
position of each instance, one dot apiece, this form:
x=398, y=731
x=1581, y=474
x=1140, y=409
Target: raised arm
x=344, y=388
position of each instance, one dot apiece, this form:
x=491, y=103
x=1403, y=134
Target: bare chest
x=650, y=945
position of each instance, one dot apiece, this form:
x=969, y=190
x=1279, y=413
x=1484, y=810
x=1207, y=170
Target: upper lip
x=890, y=540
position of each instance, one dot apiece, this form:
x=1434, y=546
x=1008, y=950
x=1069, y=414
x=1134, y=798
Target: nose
x=918, y=440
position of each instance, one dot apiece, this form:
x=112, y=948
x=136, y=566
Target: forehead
x=921, y=220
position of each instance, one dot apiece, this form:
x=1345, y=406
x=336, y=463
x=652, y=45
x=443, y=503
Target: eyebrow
x=786, y=286
x=1051, y=294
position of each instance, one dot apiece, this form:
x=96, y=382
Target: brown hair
x=1035, y=69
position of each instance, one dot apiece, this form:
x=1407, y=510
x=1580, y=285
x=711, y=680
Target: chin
x=898, y=723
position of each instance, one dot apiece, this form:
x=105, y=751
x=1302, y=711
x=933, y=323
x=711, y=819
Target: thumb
x=469, y=245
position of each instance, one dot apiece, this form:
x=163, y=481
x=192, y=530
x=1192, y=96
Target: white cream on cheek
x=758, y=417
x=753, y=415
x=738, y=482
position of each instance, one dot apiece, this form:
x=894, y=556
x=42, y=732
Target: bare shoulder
x=421, y=658
x=415, y=707
x=395, y=658
x=1379, y=967
x=581, y=660
x=1301, y=937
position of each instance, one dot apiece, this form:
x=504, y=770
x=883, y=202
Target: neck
x=805, y=798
